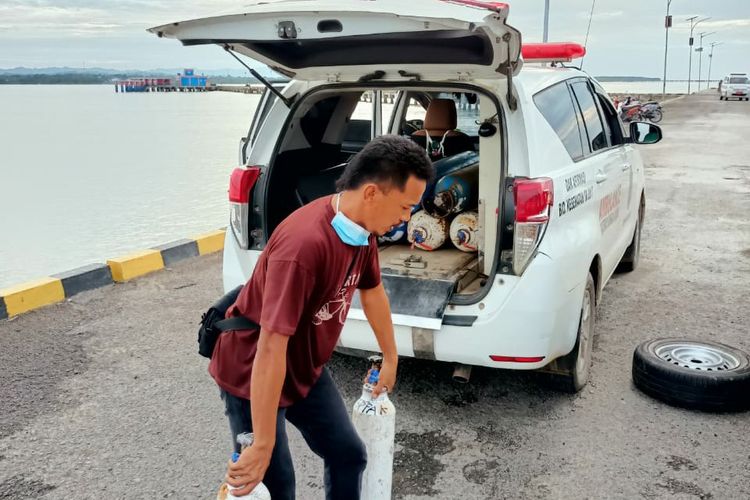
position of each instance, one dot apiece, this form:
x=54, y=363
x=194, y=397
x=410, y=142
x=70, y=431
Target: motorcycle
x=633, y=110
x=652, y=111
x=629, y=110
x=629, y=113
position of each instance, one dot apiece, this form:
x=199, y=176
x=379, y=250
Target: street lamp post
x=545, y=34
x=693, y=24
x=667, y=25
x=700, y=56
x=710, y=60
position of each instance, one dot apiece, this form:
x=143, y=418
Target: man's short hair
x=388, y=160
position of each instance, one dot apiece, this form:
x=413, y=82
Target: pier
x=187, y=81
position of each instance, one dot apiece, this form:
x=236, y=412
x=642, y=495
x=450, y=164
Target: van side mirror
x=645, y=133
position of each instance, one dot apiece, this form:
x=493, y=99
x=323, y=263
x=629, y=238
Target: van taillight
x=533, y=199
x=241, y=184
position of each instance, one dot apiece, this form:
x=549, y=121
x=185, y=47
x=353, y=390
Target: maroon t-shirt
x=302, y=286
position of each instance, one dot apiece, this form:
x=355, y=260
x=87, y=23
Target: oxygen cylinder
x=260, y=492
x=464, y=233
x=454, y=193
x=447, y=166
x=394, y=235
x=375, y=421
x=427, y=232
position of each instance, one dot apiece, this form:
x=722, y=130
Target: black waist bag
x=213, y=322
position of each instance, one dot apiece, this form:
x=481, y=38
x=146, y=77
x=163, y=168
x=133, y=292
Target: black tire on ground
x=570, y=373
x=656, y=116
x=700, y=375
x=632, y=255
x=721, y=97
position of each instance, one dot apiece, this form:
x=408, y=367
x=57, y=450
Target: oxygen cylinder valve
x=373, y=378
x=376, y=363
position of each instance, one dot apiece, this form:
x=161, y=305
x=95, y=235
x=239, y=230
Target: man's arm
x=269, y=371
x=378, y=311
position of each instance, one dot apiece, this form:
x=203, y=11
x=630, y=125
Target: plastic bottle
x=260, y=492
x=375, y=421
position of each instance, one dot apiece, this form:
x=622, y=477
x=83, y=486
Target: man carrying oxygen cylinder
x=299, y=294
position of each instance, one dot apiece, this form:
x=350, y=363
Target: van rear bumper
x=526, y=317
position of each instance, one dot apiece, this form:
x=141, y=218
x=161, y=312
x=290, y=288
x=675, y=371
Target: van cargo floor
x=420, y=284
x=447, y=264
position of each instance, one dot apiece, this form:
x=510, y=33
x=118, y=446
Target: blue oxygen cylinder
x=375, y=421
x=454, y=193
x=395, y=235
x=447, y=166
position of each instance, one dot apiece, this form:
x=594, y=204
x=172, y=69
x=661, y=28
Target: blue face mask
x=349, y=231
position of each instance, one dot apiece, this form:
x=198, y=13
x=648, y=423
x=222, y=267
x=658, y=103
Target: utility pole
x=710, y=60
x=693, y=24
x=545, y=33
x=667, y=25
x=700, y=56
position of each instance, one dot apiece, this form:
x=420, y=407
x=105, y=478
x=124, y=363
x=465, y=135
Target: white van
x=560, y=184
x=735, y=86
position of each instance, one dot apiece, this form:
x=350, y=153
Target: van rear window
x=738, y=79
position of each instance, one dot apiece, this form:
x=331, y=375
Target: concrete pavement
x=104, y=396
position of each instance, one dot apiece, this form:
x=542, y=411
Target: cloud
x=680, y=24
x=726, y=24
x=601, y=16
x=47, y=18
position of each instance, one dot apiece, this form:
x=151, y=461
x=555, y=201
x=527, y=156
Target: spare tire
x=700, y=375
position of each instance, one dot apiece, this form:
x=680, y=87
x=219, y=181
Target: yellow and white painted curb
x=32, y=295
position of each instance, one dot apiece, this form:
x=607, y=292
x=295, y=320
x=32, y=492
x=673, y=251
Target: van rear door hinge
x=507, y=68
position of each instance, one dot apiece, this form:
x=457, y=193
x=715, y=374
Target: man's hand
x=248, y=470
x=269, y=370
x=387, y=378
x=378, y=313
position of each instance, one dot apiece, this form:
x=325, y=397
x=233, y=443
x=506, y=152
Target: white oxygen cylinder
x=464, y=234
x=260, y=492
x=375, y=421
x=427, y=232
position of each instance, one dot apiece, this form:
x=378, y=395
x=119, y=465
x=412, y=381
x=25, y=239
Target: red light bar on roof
x=552, y=52
x=493, y=6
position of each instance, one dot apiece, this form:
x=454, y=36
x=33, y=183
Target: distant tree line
x=58, y=79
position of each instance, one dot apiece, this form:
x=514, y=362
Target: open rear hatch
x=359, y=40
x=347, y=40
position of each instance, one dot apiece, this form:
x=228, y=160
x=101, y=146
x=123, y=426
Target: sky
x=627, y=37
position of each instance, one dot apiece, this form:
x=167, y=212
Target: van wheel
x=632, y=256
x=696, y=374
x=571, y=372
